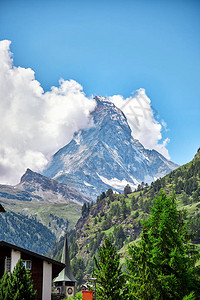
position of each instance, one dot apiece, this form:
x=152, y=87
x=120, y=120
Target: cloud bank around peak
x=140, y=116
x=35, y=124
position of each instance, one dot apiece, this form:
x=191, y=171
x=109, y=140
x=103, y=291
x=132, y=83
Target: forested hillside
x=31, y=220
x=118, y=216
x=26, y=232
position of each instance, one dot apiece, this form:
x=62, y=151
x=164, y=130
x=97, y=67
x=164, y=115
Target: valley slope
x=39, y=210
x=119, y=216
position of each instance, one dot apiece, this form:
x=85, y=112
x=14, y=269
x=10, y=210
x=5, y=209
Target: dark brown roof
x=57, y=267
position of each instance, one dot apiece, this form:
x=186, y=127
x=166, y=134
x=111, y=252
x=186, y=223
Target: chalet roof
x=66, y=274
x=56, y=266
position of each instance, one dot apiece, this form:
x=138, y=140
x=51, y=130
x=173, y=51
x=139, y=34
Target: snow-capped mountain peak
x=106, y=155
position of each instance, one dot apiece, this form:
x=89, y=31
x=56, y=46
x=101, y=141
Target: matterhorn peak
x=106, y=156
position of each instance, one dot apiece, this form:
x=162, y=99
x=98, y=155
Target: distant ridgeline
x=118, y=216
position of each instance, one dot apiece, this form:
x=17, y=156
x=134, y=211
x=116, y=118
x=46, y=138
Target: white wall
x=47, y=281
x=15, y=256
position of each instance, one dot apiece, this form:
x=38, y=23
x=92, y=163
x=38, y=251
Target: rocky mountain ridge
x=49, y=190
x=106, y=156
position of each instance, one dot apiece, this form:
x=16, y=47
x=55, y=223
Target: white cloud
x=35, y=124
x=140, y=116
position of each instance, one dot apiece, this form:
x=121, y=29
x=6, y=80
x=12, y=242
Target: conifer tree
x=127, y=190
x=20, y=285
x=163, y=264
x=110, y=279
x=3, y=285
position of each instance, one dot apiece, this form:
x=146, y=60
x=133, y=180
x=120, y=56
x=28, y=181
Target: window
x=58, y=283
x=27, y=264
x=69, y=283
x=8, y=264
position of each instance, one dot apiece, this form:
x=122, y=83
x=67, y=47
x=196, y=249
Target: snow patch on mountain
x=116, y=183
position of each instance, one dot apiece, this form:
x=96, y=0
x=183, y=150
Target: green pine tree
x=163, y=264
x=110, y=279
x=78, y=268
x=127, y=190
x=3, y=285
x=20, y=285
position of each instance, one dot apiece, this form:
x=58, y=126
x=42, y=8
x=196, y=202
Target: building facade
x=42, y=269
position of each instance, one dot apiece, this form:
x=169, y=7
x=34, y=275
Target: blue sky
x=115, y=48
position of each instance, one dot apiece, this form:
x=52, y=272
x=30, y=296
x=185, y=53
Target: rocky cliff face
x=49, y=190
x=106, y=156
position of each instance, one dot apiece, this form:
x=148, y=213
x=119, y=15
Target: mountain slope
x=106, y=156
x=39, y=200
x=119, y=216
x=26, y=232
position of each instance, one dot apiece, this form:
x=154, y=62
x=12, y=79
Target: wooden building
x=43, y=269
x=65, y=283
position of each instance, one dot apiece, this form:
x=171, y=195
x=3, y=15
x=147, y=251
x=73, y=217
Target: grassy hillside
x=119, y=216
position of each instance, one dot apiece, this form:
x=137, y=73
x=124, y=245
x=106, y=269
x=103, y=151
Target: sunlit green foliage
x=163, y=264
x=110, y=279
